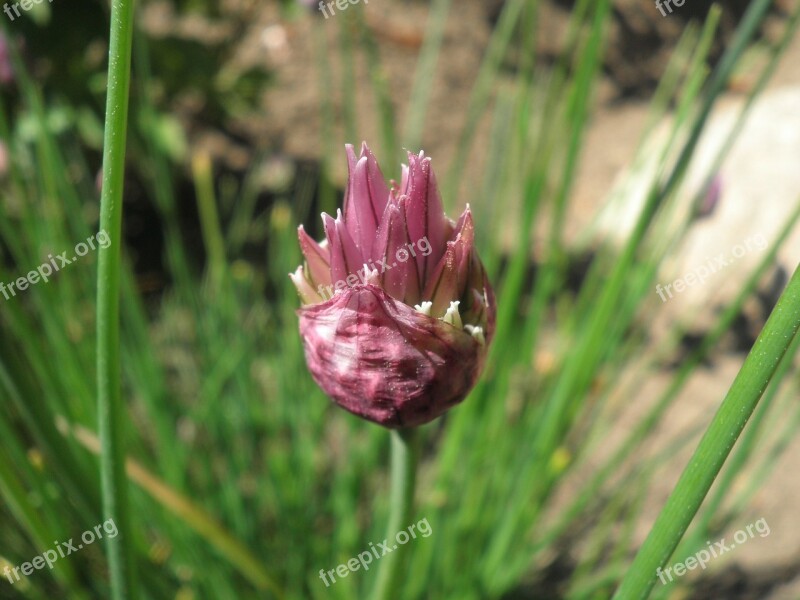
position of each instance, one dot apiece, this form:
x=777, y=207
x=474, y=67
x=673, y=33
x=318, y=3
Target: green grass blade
x=109, y=392
x=721, y=435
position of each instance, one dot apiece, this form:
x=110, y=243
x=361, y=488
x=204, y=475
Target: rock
x=755, y=191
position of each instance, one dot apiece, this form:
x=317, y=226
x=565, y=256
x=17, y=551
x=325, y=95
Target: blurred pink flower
x=6, y=71
x=398, y=311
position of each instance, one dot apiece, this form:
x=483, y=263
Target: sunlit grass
x=244, y=480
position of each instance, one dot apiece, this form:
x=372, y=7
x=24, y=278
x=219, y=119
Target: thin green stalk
x=348, y=78
x=635, y=438
x=744, y=452
x=405, y=451
x=209, y=220
x=387, y=116
x=713, y=450
x=327, y=200
x=193, y=515
x=109, y=395
x=482, y=90
x=424, y=73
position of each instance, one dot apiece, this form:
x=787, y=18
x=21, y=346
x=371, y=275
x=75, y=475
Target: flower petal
x=308, y=295
x=345, y=257
x=424, y=214
x=318, y=258
x=478, y=303
x=404, y=180
x=448, y=281
x=365, y=199
x=399, y=276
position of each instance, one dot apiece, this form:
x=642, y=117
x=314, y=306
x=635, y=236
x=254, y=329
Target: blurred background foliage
x=245, y=480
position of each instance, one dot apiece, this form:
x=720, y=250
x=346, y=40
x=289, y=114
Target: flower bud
x=397, y=310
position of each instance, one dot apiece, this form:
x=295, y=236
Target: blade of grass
x=592, y=489
x=110, y=406
x=423, y=75
x=189, y=512
x=481, y=92
x=380, y=89
x=713, y=450
x=209, y=220
x=744, y=452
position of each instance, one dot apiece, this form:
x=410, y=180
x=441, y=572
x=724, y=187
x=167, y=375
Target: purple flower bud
x=398, y=311
x=709, y=202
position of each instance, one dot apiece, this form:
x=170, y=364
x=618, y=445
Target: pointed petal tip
x=351, y=165
x=417, y=156
x=308, y=295
x=317, y=257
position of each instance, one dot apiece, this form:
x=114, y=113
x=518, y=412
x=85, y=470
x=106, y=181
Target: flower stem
x=110, y=405
x=405, y=450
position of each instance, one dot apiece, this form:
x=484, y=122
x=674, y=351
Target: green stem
x=404, y=469
x=711, y=453
x=109, y=394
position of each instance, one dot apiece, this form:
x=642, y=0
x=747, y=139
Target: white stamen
x=476, y=332
x=371, y=275
x=424, y=308
x=452, y=316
